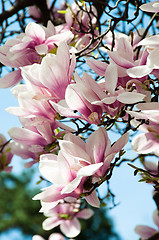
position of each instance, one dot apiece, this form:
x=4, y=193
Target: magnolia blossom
x=66, y=215
x=151, y=66
x=38, y=135
x=28, y=48
x=91, y=99
x=5, y=154
x=148, y=141
x=42, y=83
x=147, y=232
x=124, y=58
x=75, y=163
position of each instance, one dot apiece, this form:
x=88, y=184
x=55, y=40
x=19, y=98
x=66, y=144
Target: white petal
x=130, y=97
x=72, y=185
x=89, y=170
x=139, y=71
x=111, y=77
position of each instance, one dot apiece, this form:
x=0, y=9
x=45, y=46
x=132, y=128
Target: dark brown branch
x=21, y=4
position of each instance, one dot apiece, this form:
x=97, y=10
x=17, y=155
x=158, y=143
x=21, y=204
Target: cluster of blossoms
x=44, y=57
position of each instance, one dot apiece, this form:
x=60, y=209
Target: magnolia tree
x=79, y=70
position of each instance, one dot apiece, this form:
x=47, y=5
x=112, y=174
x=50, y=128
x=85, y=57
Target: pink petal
x=96, y=145
x=120, y=60
x=62, y=108
x=25, y=136
x=63, y=55
x=71, y=228
x=85, y=213
x=143, y=143
x=10, y=79
x=36, y=32
x=93, y=200
x=41, y=49
x=145, y=231
x=120, y=143
x=98, y=66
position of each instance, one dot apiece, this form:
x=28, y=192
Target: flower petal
x=85, y=213
x=71, y=228
x=93, y=200
x=10, y=79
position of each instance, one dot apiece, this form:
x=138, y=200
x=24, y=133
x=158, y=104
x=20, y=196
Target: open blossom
x=151, y=65
x=54, y=73
x=148, y=141
x=124, y=58
x=35, y=137
x=75, y=163
x=5, y=154
x=147, y=232
x=43, y=82
x=91, y=99
x=66, y=215
x=28, y=48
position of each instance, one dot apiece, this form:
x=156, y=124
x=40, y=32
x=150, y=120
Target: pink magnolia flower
x=54, y=72
x=91, y=99
x=5, y=154
x=150, y=7
x=148, y=141
x=124, y=58
x=147, y=232
x=66, y=215
x=42, y=83
x=35, y=137
x=151, y=65
x=34, y=97
x=28, y=48
x=76, y=162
